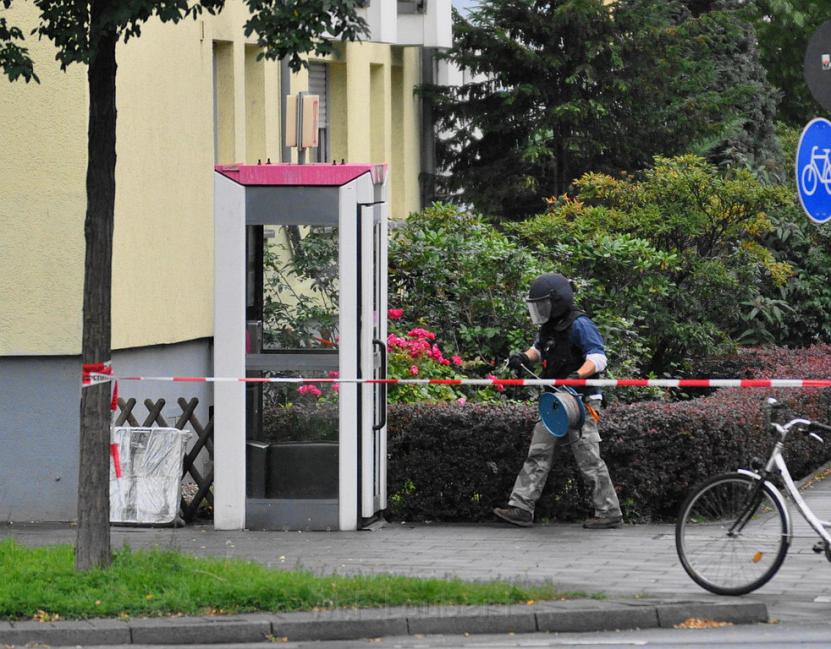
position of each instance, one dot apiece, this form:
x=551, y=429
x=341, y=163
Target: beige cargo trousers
x=585, y=444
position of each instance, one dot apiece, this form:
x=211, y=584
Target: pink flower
x=333, y=374
x=435, y=353
x=308, y=388
x=395, y=314
x=496, y=386
x=416, y=348
x=457, y=360
x=418, y=332
x=414, y=370
x=461, y=401
x=335, y=387
x=444, y=361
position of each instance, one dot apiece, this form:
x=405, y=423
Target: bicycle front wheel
x=731, y=536
x=809, y=180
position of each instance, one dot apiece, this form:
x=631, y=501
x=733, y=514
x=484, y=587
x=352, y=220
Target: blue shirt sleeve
x=585, y=335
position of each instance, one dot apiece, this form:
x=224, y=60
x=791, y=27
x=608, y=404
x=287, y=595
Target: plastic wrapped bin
x=150, y=485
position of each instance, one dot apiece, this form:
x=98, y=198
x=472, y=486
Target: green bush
x=458, y=276
x=806, y=247
x=452, y=462
x=668, y=264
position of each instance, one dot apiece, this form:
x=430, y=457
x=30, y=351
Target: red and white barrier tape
x=638, y=383
x=102, y=372
x=95, y=374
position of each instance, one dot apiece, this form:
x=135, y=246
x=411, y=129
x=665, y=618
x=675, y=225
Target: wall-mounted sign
x=817, y=65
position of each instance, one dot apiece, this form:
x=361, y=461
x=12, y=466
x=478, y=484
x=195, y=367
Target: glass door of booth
x=292, y=429
x=301, y=437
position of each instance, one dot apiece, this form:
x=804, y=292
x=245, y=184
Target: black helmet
x=550, y=298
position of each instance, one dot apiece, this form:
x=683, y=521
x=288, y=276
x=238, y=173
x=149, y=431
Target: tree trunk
x=92, y=548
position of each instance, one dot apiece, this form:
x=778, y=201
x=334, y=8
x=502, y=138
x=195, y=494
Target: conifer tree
x=556, y=88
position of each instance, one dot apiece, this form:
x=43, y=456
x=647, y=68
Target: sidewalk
x=636, y=567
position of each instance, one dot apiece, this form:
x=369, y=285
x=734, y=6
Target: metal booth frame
x=353, y=198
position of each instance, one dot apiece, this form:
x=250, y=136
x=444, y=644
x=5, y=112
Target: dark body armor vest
x=559, y=356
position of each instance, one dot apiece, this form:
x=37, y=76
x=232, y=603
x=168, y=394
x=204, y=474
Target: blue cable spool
x=560, y=411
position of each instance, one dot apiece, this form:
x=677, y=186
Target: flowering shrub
x=417, y=354
x=301, y=413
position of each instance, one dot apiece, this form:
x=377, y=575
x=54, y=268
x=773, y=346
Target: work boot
x=603, y=522
x=515, y=516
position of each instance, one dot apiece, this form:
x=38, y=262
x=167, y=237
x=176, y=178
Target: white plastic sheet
x=150, y=485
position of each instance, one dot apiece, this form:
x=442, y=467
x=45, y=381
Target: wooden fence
x=204, y=442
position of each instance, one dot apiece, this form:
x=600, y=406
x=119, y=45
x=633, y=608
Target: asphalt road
x=761, y=636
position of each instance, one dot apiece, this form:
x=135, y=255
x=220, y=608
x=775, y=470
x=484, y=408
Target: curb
x=354, y=624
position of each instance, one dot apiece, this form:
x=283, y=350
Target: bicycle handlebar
x=808, y=427
x=818, y=426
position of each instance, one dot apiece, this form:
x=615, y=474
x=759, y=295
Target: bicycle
x=734, y=529
x=812, y=174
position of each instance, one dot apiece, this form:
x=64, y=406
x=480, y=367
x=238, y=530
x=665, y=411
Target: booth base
x=307, y=515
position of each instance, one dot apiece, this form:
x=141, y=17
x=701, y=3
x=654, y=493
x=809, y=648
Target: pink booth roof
x=317, y=174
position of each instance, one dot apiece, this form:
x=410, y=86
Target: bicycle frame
x=776, y=464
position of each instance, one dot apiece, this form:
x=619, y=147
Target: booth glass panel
x=299, y=287
x=292, y=432
x=296, y=454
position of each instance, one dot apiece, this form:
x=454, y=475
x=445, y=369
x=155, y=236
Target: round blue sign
x=813, y=170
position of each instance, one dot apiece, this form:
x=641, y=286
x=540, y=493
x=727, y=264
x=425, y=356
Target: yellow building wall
x=407, y=194
x=375, y=115
x=42, y=202
x=166, y=149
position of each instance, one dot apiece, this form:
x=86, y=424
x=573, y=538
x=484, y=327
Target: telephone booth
x=300, y=290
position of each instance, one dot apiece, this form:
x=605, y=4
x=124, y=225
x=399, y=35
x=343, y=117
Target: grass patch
x=41, y=583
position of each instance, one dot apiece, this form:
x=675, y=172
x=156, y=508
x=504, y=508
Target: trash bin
x=146, y=474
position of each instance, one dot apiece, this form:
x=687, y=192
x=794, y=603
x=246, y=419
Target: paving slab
x=455, y=620
x=592, y=619
x=69, y=632
x=340, y=624
x=740, y=612
x=198, y=630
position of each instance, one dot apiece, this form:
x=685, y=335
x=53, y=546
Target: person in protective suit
x=568, y=346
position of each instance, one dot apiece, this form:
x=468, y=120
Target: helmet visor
x=539, y=310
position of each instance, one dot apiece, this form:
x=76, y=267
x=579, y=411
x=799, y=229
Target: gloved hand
x=516, y=361
x=574, y=375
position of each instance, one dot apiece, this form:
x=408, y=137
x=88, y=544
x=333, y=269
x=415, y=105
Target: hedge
x=455, y=462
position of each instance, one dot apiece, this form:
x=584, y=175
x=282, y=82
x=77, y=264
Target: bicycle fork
x=749, y=510
x=818, y=525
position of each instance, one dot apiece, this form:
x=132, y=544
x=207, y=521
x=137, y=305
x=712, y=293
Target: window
x=224, y=118
x=318, y=85
x=412, y=6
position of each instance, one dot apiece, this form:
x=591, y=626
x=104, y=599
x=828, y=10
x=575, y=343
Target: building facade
x=189, y=96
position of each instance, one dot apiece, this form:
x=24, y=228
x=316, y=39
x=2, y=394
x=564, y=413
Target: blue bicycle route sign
x=813, y=170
